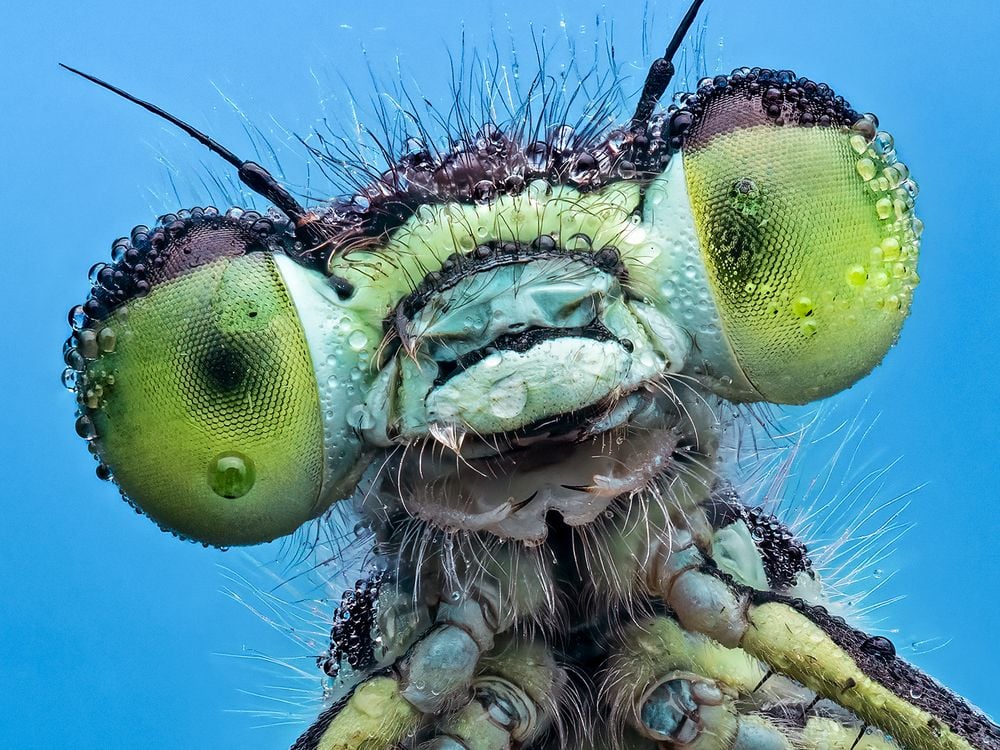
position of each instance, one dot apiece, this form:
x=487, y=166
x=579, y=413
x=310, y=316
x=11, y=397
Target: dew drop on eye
x=231, y=475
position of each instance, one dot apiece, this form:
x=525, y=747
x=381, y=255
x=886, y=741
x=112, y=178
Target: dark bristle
x=251, y=174
x=203, y=139
x=661, y=72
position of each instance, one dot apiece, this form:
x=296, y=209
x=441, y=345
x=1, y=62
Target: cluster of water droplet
x=784, y=97
x=894, y=262
x=88, y=378
x=354, y=635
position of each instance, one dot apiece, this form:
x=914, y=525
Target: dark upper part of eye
x=758, y=96
x=177, y=244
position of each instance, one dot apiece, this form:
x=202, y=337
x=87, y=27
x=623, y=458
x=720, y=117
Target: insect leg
x=436, y=672
x=826, y=734
x=515, y=700
x=683, y=689
x=374, y=716
x=820, y=651
x=429, y=667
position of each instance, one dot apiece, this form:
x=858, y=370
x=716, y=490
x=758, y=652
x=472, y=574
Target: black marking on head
x=493, y=255
x=480, y=170
x=520, y=341
x=784, y=557
x=354, y=624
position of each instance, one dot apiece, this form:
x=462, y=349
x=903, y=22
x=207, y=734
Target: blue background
x=114, y=635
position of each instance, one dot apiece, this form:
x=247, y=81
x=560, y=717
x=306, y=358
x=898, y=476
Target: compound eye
x=804, y=216
x=196, y=383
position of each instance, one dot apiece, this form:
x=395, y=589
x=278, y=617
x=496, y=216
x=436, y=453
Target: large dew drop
x=231, y=475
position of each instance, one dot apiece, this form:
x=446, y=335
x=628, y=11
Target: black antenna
x=251, y=174
x=661, y=72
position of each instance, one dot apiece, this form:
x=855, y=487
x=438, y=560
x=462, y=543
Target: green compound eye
x=808, y=237
x=207, y=408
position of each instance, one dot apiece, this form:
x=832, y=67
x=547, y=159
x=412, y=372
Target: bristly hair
x=495, y=137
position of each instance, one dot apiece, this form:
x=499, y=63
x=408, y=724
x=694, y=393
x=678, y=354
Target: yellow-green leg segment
x=515, y=699
x=822, y=652
x=685, y=690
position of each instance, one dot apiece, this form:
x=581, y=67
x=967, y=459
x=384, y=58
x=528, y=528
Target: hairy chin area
x=508, y=485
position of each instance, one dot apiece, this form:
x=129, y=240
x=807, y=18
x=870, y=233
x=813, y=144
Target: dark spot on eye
x=225, y=369
x=735, y=251
x=252, y=314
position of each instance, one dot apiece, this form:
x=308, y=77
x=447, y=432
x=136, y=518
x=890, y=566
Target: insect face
x=198, y=385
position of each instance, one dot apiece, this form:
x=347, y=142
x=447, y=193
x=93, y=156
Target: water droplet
x=69, y=377
x=802, y=306
x=509, y=400
x=858, y=143
x=808, y=327
x=85, y=427
x=745, y=197
x=883, y=142
x=357, y=340
x=856, y=275
x=359, y=418
x=77, y=318
x=484, y=191
x=890, y=248
x=879, y=646
x=883, y=207
x=86, y=343
x=118, y=249
x=106, y=339
x=231, y=475
x=866, y=168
